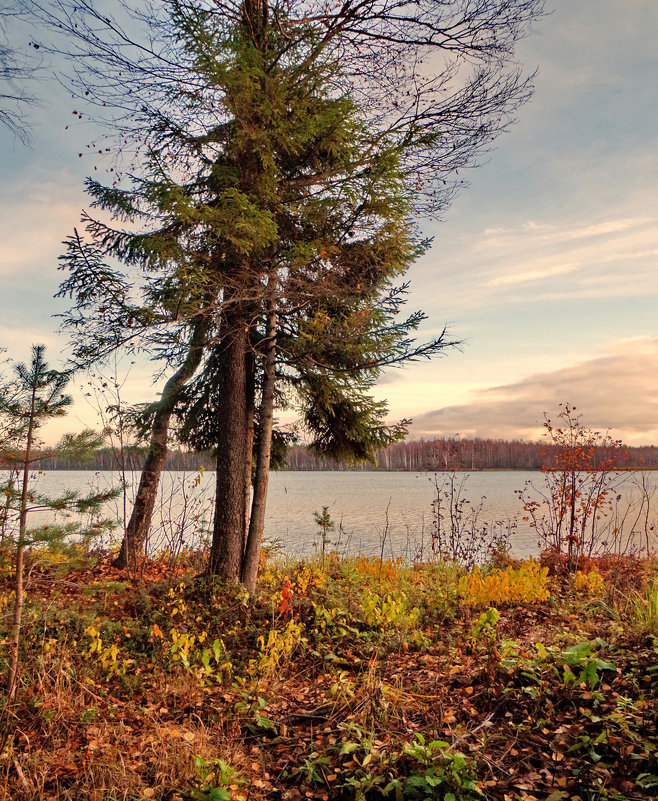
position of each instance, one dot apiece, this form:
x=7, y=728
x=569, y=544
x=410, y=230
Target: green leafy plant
x=392, y=610
x=485, y=626
x=582, y=656
x=439, y=774
x=215, y=779
x=253, y=711
x=206, y=662
x=314, y=768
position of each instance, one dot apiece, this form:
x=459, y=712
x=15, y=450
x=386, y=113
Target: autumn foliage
x=366, y=675
x=526, y=584
x=582, y=473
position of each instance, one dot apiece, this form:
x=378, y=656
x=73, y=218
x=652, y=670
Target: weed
x=203, y=662
x=392, y=610
x=582, y=656
x=314, y=768
x=253, y=711
x=88, y=715
x=589, y=582
x=527, y=584
x=216, y=779
x=438, y=773
x=644, y=611
x=109, y=657
x=277, y=647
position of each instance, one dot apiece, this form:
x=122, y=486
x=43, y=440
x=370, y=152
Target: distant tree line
x=411, y=455
x=130, y=459
x=460, y=454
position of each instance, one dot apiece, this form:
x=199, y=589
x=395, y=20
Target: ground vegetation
x=362, y=679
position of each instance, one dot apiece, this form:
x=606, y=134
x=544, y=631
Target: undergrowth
x=342, y=678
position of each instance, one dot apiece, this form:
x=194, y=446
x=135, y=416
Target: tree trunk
x=251, y=415
x=257, y=521
x=142, y=513
x=19, y=600
x=12, y=682
x=232, y=436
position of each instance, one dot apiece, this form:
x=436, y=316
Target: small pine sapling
x=34, y=396
x=326, y=525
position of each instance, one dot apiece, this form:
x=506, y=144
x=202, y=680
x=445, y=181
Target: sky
x=545, y=265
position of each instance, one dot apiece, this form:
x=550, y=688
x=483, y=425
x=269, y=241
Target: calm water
x=368, y=508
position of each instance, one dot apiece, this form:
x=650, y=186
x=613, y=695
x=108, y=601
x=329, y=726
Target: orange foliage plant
x=582, y=472
x=527, y=584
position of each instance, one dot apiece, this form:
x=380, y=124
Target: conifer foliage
x=284, y=150
x=33, y=396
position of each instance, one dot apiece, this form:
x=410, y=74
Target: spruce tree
x=287, y=152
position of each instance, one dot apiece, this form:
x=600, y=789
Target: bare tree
x=17, y=68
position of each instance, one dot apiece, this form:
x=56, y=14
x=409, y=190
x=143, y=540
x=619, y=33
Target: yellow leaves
x=307, y=577
x=528, y=584
x=203, y=663
x=386, y=569
x=109, y=657
x=589, y=583
x=182, y=646
x=392, y=610
x=96, y=643
x=176, y=604
x=286, y=587
x=278, y=647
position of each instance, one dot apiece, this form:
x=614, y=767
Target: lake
x=373, y=512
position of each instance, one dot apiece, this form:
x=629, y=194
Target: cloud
x=550, y=232
x=617, y=390
x=599, y=229
x=535, y=253
x=534, y=275
x=33, y=223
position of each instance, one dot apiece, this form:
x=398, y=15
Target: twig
x=461, y=738
x=21, y=775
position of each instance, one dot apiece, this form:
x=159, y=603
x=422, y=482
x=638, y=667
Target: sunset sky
x=545, y=265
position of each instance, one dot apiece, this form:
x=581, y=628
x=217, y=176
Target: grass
x=357, y=680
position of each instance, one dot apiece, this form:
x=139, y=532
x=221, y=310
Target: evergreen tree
x=34, y=396
x=297, y=201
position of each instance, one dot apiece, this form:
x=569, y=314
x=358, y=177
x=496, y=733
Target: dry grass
x=302, y=726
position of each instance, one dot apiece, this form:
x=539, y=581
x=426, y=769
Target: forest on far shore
x=412, y=455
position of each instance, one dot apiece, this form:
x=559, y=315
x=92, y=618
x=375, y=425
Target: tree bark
x=12, y=682
x=251, y=417
x=142, y=513
x=257, y=521
x=19, y=600
x=232, y=436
